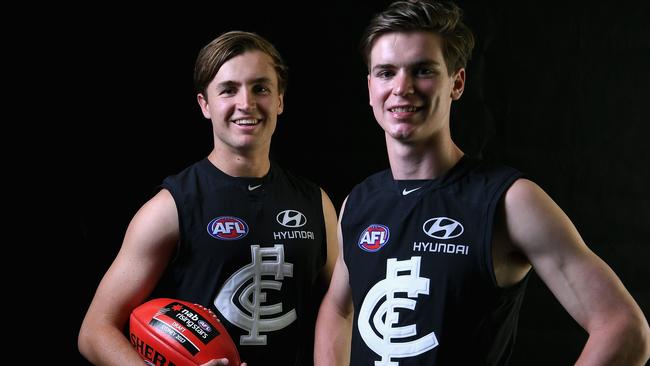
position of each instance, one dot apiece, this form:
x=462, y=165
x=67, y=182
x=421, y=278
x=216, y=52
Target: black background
x=557, y=89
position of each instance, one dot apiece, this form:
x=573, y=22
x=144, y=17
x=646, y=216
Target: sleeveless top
x=251, y=249
x=420, y=268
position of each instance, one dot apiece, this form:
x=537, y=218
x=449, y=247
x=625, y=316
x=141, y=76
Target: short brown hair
x=442, y=18
x=229, y=45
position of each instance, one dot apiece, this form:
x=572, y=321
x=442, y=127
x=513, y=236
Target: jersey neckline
x=415, y=187
x=250, y=184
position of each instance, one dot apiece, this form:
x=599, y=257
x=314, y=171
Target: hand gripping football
x=177, y=333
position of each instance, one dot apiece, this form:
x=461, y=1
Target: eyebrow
x=230, y=83
x=412, y=65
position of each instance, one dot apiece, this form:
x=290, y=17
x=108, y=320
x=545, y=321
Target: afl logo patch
x=374, y=237
x=227, y=228
x=443, y=228
x=291, y=218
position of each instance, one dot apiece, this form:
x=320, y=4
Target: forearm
x=625, y=345
x=333, y=333
x=107, y=345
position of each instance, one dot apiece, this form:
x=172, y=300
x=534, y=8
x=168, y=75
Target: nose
x=247, y=101
x=403, y=84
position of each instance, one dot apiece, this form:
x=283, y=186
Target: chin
x=251, y=144
x=401, y=133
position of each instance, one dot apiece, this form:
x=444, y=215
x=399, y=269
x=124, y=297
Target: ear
x=203, y=103
x=281, y=101
x=369, y=91
x=459, y=84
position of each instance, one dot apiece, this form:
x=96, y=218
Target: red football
x=177, y=333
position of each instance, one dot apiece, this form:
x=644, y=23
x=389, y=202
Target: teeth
x=246, y=122
x=403, y=109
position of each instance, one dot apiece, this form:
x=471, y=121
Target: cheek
x=223, y=110
x=377, y=94
x=426, y=86
x=273, y=106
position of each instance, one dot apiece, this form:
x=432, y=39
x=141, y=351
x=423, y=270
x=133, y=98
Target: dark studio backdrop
x=559, y=90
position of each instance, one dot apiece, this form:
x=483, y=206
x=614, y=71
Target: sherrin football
x=172, y=332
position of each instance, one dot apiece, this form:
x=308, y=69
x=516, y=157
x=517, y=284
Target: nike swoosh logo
x=252, y=188
x=407, y=191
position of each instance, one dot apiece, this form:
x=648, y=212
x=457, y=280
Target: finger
x=217, y=362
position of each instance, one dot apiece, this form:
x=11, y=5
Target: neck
x=422, y=160
x=241, y=165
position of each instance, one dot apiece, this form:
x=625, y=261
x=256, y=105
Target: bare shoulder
x=532, y=218
x=159, y=210
x=162, y=201
x=524, y=193
x=154, y=226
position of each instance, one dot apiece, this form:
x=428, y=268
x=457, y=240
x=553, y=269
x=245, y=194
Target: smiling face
x=409, y=86
x=243, y=102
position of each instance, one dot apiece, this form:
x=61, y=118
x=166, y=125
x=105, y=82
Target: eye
x=228, y=91
x=425, y=72
x=261, y=89
x=384, y=74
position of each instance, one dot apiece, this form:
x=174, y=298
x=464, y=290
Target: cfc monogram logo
x=246, y=290
x=403, y=277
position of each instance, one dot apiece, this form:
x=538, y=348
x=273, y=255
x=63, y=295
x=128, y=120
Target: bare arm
x=585, y=285
x=149, y=242
x=334, y=323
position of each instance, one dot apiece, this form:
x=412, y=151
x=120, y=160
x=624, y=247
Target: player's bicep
x=148, y=245
x=580, y=280
x=339, y=293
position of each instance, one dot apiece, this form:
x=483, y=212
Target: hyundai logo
x=442, y=228
x=291, y=218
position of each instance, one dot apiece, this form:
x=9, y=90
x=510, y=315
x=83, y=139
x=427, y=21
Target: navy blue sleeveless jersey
x=251, y=249
x=420, y=268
